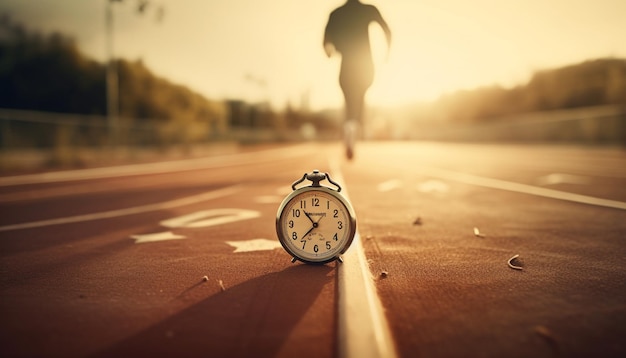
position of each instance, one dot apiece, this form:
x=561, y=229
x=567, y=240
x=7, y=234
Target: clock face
x=315, y=225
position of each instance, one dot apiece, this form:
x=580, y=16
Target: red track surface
x=88, y=285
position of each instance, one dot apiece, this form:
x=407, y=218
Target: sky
x=271, y=50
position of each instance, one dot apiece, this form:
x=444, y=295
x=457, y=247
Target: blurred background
x=91, y=82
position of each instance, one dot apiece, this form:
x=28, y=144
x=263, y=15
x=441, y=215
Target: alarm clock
x=315, y=224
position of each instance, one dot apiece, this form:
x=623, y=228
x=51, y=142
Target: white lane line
x=127, y=211
x=521, y=188
x=363, y=328
x=229, y=160
x=560, y=178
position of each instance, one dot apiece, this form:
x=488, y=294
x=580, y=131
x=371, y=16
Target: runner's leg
x=355, y=78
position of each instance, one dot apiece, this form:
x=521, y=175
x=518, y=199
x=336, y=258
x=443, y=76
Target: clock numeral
x=303, y=204
x=303, y=243
x=339, y=225
x=315, y=201
x=294, y=235
x=316, y=248
x=336, y=213
x=335, y=237
x=328, y=247
x=327, y=204
x=296, y=212
x=291, y=224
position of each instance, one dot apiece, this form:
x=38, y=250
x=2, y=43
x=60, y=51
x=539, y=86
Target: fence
x=31, y=139
x=590, y=125
x=34, y=139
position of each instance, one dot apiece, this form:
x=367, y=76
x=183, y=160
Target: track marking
x=433, y=186
x=560, y=178
x=208, y=218
x=254, y=245
x=127, y=211
x=389, y=185
x=522, y=188
x=363, y=328
x=159, y=236
x=228, y=160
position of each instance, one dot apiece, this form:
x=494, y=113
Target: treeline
x=591, y=83
x=47, y=72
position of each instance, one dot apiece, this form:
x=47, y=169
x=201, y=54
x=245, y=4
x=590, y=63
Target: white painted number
x=199, y=219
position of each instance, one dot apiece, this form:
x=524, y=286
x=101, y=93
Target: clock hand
x=309, y=216
x=311, y=229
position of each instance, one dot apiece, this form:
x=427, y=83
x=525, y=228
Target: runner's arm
x=329, y=46
x=383, y=24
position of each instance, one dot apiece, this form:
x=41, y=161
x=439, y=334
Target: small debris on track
x=546, y=334
x=511, y=265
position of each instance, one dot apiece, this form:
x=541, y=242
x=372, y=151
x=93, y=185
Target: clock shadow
x=286, y=312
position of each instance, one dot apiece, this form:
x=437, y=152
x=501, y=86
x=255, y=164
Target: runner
x=347, y=32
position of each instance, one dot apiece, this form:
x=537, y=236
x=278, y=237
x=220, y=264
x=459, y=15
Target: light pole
x=112, y=83
x=112, y=77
